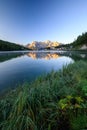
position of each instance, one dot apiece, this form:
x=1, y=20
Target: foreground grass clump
x=57, y=101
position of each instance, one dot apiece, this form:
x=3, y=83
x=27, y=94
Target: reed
x=57, y=101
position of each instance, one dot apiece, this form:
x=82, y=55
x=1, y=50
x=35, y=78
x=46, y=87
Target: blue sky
x=24, y=21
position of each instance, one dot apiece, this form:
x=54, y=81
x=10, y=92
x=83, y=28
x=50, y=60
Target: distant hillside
x=42, y=45
x=80, y=42
x=7, y=46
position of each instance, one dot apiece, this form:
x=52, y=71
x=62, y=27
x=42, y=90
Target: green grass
x=57, y=101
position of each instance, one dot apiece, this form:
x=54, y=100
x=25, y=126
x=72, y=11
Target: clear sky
x=24, y=21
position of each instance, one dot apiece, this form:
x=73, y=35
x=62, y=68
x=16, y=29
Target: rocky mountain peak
x=42, y=45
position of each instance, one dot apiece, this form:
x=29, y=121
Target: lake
x=17, y=68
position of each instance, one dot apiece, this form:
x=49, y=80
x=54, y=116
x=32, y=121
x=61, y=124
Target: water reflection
x=9, y=56
x=44, y=55
x=54, y=55
x=19, y=67
x=76, y=56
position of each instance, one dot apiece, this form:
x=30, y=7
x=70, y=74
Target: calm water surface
x=19, y=67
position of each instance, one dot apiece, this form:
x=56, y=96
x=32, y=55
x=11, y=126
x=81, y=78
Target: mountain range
x=43, y=45
x=79, y=44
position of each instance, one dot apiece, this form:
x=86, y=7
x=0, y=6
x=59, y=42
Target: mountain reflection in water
x=20, y=67
x=42, y=55
x=55, y=55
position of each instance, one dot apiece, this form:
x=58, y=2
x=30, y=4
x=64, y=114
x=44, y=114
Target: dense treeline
x=7, y=46
x=76, y=44
x=80, y=41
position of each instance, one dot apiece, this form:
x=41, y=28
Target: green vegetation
x=77, y=44
x=7, y=46
x=57, y=101
x=80, y=41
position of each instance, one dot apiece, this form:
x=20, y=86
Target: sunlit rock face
x=42, y=45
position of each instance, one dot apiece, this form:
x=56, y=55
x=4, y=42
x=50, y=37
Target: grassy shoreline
x=55, y=101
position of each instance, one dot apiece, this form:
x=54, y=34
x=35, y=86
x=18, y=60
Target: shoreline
x=55, y=97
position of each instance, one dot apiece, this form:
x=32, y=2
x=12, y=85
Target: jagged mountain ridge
x=42, y=45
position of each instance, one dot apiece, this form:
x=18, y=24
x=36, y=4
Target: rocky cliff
x=42, y=45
